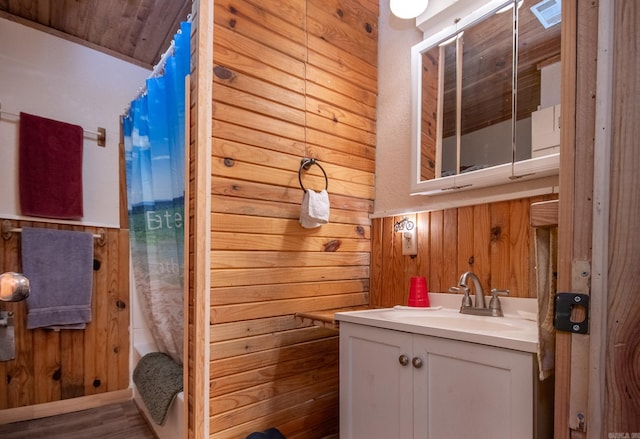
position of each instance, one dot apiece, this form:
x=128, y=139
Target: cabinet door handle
x=403, y=359
x=417, y=362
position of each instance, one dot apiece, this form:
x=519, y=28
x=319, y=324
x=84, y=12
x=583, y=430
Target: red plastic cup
x=418, y=292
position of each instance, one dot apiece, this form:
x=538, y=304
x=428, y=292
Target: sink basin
x=450, y=319
x=510, y=331
x=456, y=322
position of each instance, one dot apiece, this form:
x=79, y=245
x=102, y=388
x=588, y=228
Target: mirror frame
x=530, y=169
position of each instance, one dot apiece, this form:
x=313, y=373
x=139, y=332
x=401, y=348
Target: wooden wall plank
x=482, y=243
x=266, y=140
x=334, y=143
x=450, y=250
x=305, y=387
x=231, y=331
x=280, y=209
x=72, y=363
x=377, y=261
x=500, y=247
x=255, y=103
x=257, y=342
x=273, y=105
x=492, y=240
x=333, y=104
x=283, y=64
x=280, y=275
x=279, y=226
x=52, y=366
x=281, y=386
x=621, y=408
x=231, y=313
x=436, y=250
x=316, y=76
x=293, y=12
x=318, y=416
x=95, y=356
x=279, y=369
x=198, y=223
x=261, y=293
x=249, y=363
x=254, y=22
x=46, y=360
x=300, y=418
x=256, y=259
x=423, y=226
x=521, y=277
x=244, y=241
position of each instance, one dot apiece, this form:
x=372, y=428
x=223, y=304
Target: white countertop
x=517, y=330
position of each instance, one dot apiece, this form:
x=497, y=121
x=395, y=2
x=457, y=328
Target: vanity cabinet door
x=375, y=385
x=471, y=390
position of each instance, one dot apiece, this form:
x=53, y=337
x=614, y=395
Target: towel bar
x=100, y=133
x=8, y=229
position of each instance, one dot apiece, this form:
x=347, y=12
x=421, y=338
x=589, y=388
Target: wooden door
x=597, y=375
x=579, y=40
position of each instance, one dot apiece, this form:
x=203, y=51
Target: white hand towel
x=315, y=209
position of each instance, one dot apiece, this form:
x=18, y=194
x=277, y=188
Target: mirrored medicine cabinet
x=486, y=98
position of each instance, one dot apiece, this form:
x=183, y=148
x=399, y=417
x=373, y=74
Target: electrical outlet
x=409, y=243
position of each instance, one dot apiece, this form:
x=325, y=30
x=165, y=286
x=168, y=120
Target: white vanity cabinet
x=400, y=385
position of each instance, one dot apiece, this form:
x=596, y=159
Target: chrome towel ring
x=305, y=164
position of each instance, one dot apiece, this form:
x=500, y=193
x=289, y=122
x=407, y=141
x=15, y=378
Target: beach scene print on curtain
x=154, y=137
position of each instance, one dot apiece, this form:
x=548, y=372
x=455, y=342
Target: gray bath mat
x=158, y=379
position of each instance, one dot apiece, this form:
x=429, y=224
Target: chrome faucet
x=477, y=288
x=478, y=307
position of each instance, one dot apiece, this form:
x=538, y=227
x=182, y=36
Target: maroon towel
x=50, y=168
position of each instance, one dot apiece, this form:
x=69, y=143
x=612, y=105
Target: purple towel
x=59, y=265
x=50, y=168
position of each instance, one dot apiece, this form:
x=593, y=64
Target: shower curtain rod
x=157, y=69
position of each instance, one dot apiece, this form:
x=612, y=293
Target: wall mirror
x=486, y=95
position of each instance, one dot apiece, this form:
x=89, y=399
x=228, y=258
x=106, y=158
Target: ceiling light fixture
x=408, y=8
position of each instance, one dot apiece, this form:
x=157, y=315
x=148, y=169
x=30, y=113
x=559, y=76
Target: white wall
x=57, y=79
x=393, y=149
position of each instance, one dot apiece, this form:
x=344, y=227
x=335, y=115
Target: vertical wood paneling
x=450, y=248
x=465, y=240
x=377, y=260
x=52, y=366
x=482, y=243
x=392, y=273
x=292, y=80
x=198, y=223
x=492, y=240
x=72, y=361
x=521, y=246
x=621, y=405
x=500, y=252
x=436, y=243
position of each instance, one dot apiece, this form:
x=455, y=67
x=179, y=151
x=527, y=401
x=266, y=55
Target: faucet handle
x=494, y=303
x=466, y=299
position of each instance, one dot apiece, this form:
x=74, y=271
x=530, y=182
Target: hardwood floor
x=121, y=421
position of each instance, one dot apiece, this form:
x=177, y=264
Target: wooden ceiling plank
x=154, y=40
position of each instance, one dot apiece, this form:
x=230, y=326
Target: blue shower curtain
x=154, y=138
